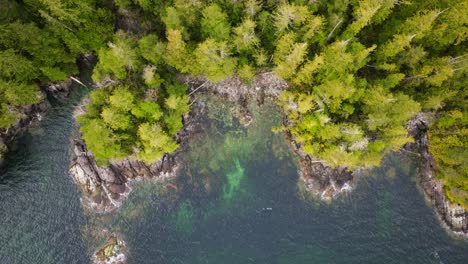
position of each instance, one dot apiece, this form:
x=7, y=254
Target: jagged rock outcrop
x=263, y=86
x=453, y=216
x=105, y=188
x=28, y=115
x=60, y=90
x=113, y=252
x=320, y=180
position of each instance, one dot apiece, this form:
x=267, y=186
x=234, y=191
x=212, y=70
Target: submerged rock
x=453, y=216
x=263, y=86
x=320, y=180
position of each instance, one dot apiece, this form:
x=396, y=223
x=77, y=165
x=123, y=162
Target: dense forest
x=358, y=70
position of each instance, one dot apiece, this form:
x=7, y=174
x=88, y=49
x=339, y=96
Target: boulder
x=116, y=188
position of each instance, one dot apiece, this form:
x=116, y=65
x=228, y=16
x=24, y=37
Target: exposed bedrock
x=30, y=114
x=322, y=181
x=113, y=252
x=264, y=86
x=105, y=188
x=453, y=216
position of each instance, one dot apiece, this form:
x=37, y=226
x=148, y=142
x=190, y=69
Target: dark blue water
x=215, y=212
x=385, y=220
x=40, y=214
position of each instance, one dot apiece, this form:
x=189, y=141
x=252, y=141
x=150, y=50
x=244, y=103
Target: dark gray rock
x=321, y=181
x=453, y=216
x=104, y=188
x=29, y=115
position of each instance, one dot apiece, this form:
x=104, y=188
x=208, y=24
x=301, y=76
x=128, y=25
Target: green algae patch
x=184, y=218
x=220, y=157
x=234, y=179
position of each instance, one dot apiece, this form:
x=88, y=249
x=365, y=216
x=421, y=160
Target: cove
x=215, y=211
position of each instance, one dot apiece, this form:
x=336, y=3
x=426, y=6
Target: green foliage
x=364, y=11
x=18, y=94
x=151, y=77
x=39, y=43
x=16, y=67
x=246, y=73
x=147, y=110
x=120, y=57
x=102, y=141
x=152, y=49
x=177, y=54
x=172, y=19
x=288, y=16
x=214, y=23
x=245, y=39
x=154, y=142
x=449, y=145
x=214, y=60
x=120, y=121
x=288, y=56
x=357, y=69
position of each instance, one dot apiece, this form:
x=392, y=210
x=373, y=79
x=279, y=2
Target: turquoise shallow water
x=215, y=212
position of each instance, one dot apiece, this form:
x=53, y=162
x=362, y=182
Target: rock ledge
x=452, y=216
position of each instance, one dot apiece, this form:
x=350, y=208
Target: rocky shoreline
x=319, y=180
x=31, y=114
x=112, y=252
x=452, y=216
x=104, y=188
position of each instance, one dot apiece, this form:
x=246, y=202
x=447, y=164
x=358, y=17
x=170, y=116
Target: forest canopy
x=358, y=69
x=40, y=42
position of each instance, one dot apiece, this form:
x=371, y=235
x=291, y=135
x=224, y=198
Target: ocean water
x=40, y=214
x=237, y=201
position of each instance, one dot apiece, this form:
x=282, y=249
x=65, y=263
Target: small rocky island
x=113, y=252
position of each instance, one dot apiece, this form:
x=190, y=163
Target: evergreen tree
x=215, y=24
x=214, y=60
